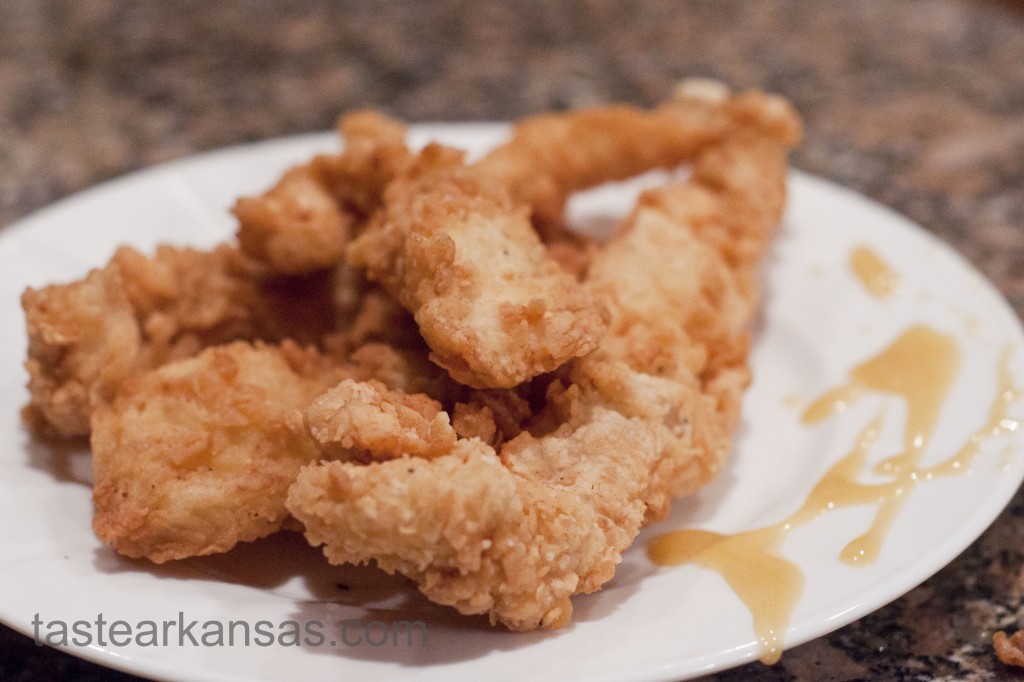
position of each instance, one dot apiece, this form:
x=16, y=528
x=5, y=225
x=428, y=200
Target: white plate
x=649, y=622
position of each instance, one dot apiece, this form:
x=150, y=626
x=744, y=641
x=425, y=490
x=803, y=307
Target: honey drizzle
x=999, y=422
x=765, y=581
x=919, y=366
x=874, y=273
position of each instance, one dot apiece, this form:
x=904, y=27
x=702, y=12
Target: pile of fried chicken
x=415, y=361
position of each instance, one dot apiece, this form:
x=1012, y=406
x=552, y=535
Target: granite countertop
x=919, y=105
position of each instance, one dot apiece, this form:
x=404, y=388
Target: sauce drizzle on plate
x=919, y=367
x=874, y=273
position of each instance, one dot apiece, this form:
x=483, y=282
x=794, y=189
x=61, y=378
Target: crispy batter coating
x=550, y=156
x=296, y=226
x=365, y=421
x=197, y=455
x=502, y=544
x=83, y=341
x=138, y=312
x=644, y=418
x=187, y=299
x=365, y=314
x=494, y=308
x=678, y=358
x=375, y=154
x=494, y=415
x=303, y=223
x=406, y=369
x=1009, y=650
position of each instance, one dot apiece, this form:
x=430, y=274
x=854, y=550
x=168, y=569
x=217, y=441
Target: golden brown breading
x=678, y=358
x=83, y=342
x=139, y=312
x=1009, y=650
x=550, y=156
x=646, y=417
x=493, y=415
x=197, y=455
x=471, y=533
x=365, y=421
x=296, y=226
x=375, y=154
x=404, y=368
x=494, y=308
x=303, y=223
x=377, y=318
x=188, y=299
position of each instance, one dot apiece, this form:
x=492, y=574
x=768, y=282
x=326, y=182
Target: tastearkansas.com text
x=214, y=633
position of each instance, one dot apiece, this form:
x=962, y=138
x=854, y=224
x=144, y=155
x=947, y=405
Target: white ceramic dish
x=649, y=622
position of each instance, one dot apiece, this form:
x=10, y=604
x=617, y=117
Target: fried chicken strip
x=504, y=546
x=138, y=312
x=494, y=308
x=645, y=418
x=550, y=156
x=297, y=225
x=303, y=223
x=197, y=456
x=678, y=359
x=83, y=342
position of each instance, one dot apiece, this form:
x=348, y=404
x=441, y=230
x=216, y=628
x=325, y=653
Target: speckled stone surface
x=919, y=105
